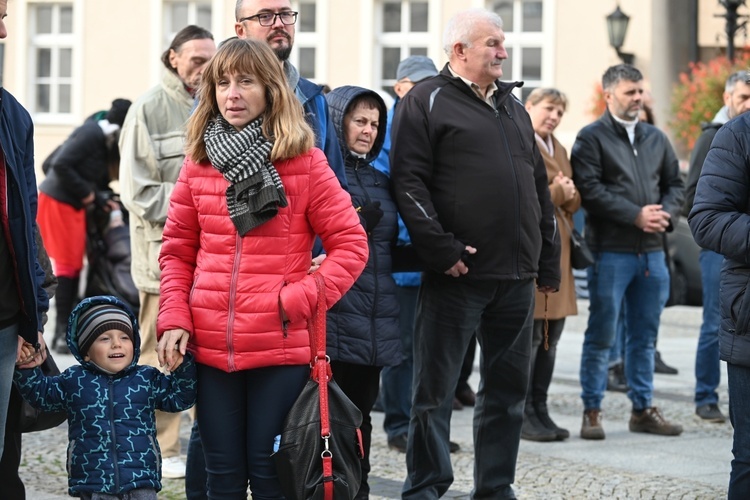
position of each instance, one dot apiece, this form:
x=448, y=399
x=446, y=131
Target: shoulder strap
x=321, y=373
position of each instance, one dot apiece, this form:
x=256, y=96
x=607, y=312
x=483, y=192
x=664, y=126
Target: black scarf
x=255, y=192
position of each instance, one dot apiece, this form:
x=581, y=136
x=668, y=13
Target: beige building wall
x=118, y=45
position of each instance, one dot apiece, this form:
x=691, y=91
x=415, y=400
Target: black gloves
x=371, y=214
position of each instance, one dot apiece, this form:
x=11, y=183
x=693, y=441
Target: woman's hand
x=316, y=262
x=27, y=356
x=172, y=348
x=568, y=187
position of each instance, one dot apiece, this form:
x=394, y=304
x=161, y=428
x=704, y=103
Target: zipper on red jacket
x=232, y=298
x=284, y=323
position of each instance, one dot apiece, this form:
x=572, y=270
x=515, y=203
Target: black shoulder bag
x=321, y=444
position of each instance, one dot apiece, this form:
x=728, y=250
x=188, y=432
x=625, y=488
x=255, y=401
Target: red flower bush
x=697, y=97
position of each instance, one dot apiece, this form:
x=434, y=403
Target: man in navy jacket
x=21, y=277
x=720, y=221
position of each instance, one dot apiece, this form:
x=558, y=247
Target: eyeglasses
x=269, y=18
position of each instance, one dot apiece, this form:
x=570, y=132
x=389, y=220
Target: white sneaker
x=173, y=468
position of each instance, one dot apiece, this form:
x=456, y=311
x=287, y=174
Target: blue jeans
x=239, y=415
x=449, y=312
x=707, y=365
x=8, y=353
x=396, y=381
x=641, y=281
x=617, y=352
x=739, y=414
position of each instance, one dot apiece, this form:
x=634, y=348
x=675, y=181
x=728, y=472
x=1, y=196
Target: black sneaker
x=398, y=443
x=711, y=413
x=651, y=421
x=454, y=447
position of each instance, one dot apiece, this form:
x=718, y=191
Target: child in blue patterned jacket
x=110, y=401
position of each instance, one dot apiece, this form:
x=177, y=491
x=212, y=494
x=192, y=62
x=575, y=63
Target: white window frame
x=54, y=41
x=192, y=17
x=519, y=40
x=404, y=39
x=313, y=39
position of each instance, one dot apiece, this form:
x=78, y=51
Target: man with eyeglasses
x=273, y=21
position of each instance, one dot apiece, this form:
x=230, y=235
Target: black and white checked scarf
x=255, y=190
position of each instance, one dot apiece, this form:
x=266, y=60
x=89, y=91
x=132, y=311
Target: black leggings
x=239, y=414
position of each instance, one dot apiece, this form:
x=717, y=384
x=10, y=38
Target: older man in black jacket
x=472, y=189
x=631, y=188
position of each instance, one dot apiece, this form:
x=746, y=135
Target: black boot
x=616, y=380
x=533, y=429
x=542, y=413
x=66, y=297
x=661, y=367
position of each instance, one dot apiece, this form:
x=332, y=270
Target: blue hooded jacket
x=112, y=444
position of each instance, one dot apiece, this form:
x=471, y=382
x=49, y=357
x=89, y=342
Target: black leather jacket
x=616, y=179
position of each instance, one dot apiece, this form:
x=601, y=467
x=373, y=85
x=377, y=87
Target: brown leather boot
x=592, y=424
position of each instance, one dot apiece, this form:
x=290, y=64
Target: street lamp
x=617, y=26
x=731, y=28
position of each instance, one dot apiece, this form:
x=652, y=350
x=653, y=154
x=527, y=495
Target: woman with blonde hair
x=546, y=107
x=235, y=290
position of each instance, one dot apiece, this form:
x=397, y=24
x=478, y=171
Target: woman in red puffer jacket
x=235, y=289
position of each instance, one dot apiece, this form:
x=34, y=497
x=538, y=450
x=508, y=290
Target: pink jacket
x=225, y=289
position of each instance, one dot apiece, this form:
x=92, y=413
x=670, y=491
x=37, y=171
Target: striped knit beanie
x=98, y=319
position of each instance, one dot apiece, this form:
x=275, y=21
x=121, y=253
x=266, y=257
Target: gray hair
x=461, y=25
x=740, y=76
x=618, y=73
x=237, y=9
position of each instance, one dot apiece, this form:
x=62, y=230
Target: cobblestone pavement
x=625, y=465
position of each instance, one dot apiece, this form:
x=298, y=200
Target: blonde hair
x=541, y=94
x=283, y=120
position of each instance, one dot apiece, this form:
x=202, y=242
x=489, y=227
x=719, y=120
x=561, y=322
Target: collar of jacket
x=609, y=121
x=504, y=89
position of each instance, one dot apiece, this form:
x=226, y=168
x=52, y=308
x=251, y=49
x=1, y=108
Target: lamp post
x=732, y=26
x=617, y=27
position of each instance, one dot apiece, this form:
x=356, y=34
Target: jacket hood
x=72, y=334
x=339, y=101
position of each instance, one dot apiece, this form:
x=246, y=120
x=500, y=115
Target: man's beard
x=283, y=53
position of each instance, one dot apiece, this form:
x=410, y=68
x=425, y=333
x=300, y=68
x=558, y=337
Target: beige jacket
x=151, y=154
x=562, y=303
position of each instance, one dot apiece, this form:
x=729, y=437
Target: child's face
x=112, y=351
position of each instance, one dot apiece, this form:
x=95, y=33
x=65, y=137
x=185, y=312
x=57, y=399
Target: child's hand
x=177, y=359
x=27, y=352
x=172, y=347
x=27, y=356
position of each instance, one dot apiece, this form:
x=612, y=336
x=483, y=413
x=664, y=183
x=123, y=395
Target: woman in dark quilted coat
x=363, y=330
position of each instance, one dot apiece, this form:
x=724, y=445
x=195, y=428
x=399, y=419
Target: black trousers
x=11, y=485
x=360, y=383
x=449, y=312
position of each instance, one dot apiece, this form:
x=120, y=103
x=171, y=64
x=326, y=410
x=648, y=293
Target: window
x=308, y=39
x=402, y=30
x=51, y=58
x=178, y=14
x=525, y=41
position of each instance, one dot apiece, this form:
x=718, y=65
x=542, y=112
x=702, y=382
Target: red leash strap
x=322, y=374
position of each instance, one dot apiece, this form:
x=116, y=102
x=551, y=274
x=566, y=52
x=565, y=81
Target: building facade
x=66, y=59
